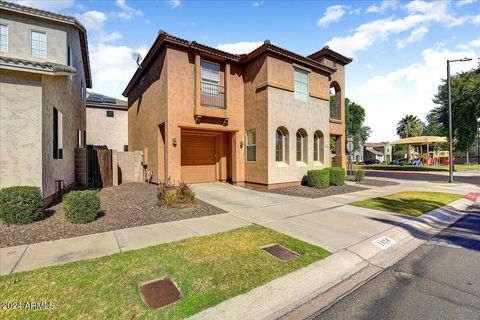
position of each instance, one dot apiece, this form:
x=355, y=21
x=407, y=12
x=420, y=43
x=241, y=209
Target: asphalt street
x=438, y=280
x=422, y=176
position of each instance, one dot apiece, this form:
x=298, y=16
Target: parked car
x=371, y=161
x=398, y=161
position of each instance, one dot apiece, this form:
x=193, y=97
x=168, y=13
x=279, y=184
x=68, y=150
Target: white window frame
x=316, y=144
x=31, y=43
x=205, y=78
x=282, y=142
x=4, y=46
x=249, y=145
x=299, y=95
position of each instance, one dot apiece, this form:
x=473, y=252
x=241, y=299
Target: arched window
x=302, y=146
x=335, y=101
x=318, y=147
x=281, y=145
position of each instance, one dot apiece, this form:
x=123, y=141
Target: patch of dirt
x=378, y=183
x=309, y=192
x=125, y=206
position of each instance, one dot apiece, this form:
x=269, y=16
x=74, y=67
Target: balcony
x=212, y=95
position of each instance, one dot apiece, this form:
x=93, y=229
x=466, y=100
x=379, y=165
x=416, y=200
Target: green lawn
x=412, y=203
x=208, y=270
x=393, y=167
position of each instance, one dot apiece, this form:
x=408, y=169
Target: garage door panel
x=198, y=158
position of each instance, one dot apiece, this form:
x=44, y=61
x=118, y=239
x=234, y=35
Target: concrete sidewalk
x=328, y=222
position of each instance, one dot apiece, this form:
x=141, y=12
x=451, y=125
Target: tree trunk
x=408, y=153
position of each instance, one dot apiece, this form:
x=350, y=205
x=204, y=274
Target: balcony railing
x=213, y=95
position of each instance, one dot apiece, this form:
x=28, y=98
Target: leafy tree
x=409, y=126
x=432, y=128
x=355, y=128
x=465, y=89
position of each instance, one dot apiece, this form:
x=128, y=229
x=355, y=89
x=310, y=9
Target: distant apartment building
x=381, y=151
x=107, y=122
x=264, y=118
x=45, y=71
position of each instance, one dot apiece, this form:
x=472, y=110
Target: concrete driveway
x=330, y=222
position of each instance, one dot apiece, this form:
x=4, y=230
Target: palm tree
x=409, y=126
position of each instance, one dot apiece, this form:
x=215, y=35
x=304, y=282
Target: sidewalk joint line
x=21, y=256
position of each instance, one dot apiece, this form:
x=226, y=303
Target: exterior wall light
x=241, y=144
x=174, y=141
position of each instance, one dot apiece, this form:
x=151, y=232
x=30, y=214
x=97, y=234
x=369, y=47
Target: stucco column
x=340, y=156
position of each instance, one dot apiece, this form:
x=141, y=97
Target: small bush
x=403, y=163
x=318, y=178
x=81, y=206
x=337, y=176
x=186, y=193
x=21, y=205
x=169, y=194
x=359, y=175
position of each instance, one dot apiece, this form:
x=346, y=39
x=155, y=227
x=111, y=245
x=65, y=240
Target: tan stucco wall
x=103, y=130
x=284, y=110
x=19, y=40
x=20, y=129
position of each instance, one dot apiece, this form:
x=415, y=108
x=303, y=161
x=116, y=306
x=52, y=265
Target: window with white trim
x=281, y=145
x=251, y=145
x=318, y=146
x=39, y=44
x=210, y=73
x=301, y=146
x=3, y=38
x=300, y=78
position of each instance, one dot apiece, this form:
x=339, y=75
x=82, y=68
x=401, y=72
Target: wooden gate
x=99, y=168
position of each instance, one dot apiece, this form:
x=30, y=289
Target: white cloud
x=93, y=20
x=127, y=12
x=415, y=36
x=112, y=68
x=147, y=21
x=461, y=3
x=174, y=3
x=332, y=14
x=386, y=4
x=420, y=13
x=257, y=4
x=476, y=19
x=387, y=98
x=110, y=37
x=51, y=5
x=239, y=47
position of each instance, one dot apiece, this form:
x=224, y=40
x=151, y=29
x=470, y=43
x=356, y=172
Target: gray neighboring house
x=44, y=73
x=382, y=151
x=107, y=122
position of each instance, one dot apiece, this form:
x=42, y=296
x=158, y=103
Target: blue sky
x=399, y=48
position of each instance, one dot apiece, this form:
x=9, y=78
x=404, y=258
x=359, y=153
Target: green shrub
x=318, y=178
x=359, y=175
x=403, y=163
x=337, y=176
x=81, y=206
x=21, y=205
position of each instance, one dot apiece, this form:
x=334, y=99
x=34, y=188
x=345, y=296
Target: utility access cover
x=159, y=293
x=384, y=242
x=280, y=252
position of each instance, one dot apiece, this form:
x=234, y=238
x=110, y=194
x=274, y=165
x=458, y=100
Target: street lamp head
x=460, y=60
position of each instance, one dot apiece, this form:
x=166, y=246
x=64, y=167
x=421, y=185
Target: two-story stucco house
x=264, y=118
x=44, y=73
x=107, y=122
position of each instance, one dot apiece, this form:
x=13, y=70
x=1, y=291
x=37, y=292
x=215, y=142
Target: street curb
x=282, y=297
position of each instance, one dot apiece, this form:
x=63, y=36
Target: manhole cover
x=280, y=252
x=159, y=293
x=384, y=242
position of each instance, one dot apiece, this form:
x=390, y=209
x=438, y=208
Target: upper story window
x=251, y=145
x=300, y=78
x=212, y=93
x=3, y=38
x=39, y=44
x=110, y=113
x=210, y=72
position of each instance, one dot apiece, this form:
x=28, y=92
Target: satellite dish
x=137, y=57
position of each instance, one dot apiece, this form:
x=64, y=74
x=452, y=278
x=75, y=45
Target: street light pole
x=450, y=131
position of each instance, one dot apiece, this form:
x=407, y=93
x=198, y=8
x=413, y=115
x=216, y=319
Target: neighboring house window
x=251, y=145
x=301, y=146
x=39, y=44
x=125, y=147
x=69, y=56
x=318, y=146
x=300, y=84
x=110, y=113
x=57, y=134
x=3, y=38
x=80, y=140
x=210, y=74
x=281, y=145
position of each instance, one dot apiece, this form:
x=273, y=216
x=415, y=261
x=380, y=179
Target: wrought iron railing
x=213, y=95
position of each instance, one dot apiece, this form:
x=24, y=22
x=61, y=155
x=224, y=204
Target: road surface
x=438, y=280
x=464, y=177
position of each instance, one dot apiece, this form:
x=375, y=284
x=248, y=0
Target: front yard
x=128, y=205
x=310, y=192
x=207, y=270
x=392, y=167
x=412, y=203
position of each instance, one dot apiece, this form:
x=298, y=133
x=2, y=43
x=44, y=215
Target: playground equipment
x=427, y=156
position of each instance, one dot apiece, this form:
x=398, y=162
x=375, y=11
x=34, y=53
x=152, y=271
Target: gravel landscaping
x=128, y=205
x=309, y=192
x=378, y=183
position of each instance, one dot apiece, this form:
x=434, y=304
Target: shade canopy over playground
x=421, y=140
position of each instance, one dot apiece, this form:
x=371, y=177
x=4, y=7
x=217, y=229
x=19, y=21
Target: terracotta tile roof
x=40, y=66
x=164, y=37
x=59, y=18
x=326, y=51
x=97, y=100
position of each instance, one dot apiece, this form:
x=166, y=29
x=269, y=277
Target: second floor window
x=110, y=114
x=210, y=77
x=39, y=44
x=3, y=38
x=300, y=78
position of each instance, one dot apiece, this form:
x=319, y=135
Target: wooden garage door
x=198, y=158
